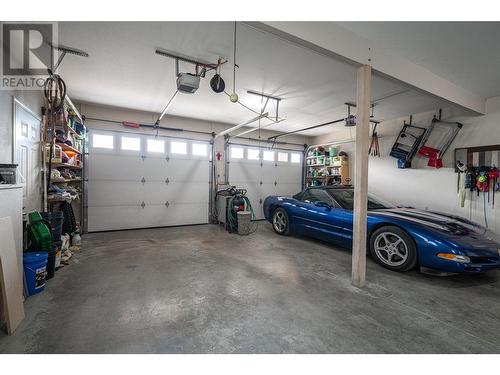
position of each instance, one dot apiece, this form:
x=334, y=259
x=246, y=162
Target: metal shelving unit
x=322, y=169
x=77, y=168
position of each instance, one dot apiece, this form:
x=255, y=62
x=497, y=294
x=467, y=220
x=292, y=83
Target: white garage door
x=264, y=172
x=139, y=181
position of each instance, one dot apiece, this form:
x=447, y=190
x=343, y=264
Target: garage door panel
x=188, y=170
x=175, y=214
x=106, y=193
x=268, y=189
x=287, y=189
x=289, y=174
x=113, y=218
x=268, y=173
x=115, y=167
x=187, y=193
x=155, y=169
x=244, y=171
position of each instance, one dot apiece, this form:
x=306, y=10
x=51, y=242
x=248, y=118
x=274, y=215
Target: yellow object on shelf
x=340, y=161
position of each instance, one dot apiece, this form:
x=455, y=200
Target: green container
x=39, y=232
x=332, y=151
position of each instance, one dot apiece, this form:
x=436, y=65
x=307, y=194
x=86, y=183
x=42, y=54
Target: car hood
x=439, y=221
x=463, y=232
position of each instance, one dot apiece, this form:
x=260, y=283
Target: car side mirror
x=322, y=204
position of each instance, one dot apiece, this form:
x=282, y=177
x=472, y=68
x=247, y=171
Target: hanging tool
x=482, y=185
x=435, y=155
x=64, y=50
x=406, y=145
x=493, y=175
x=461, y=182
x=374, y=149
x=217, y=83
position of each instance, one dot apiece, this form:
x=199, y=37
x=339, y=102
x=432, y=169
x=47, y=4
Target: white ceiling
x=465, y=53
x=123, y=70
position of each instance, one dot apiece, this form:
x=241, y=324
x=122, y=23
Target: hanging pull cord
x=234, y=59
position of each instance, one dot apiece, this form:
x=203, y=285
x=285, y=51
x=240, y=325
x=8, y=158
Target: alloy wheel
x=391, y=249
x=279, y=222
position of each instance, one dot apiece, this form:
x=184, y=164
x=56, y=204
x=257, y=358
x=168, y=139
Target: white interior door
x=138, y=181
x=264, y=172
x=27, y=155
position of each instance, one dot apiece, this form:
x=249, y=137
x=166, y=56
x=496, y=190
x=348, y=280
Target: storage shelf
x=65, y=165
x=55, y=200
x=65, y=181
x=66, y=147
x=73, y=131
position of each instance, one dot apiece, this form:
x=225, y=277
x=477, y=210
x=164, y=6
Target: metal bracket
x=260, y=183
x=167, y=203
x=167, y=158
x=275, y=183
x=143, y=157
x=143, y=180
x=143, y=204
x=167, y=181
x=260, y=201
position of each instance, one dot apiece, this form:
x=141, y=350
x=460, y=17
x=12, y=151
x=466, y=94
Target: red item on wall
x=432, y=155
x=131, y=124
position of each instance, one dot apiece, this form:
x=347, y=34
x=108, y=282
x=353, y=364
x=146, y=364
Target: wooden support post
x=361, y=175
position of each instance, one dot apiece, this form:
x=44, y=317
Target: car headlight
x=454, y=257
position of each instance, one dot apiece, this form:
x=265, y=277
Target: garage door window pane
x=200, y=149
x=236, y=153
x=268, y=155
x=283, y=157
x=131, y=144
x=178, y=147
x=295, y=157
x=156, y=145
x=253, y=154
x=102, y=141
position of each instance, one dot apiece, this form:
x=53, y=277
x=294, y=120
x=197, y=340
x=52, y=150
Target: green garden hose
x=232, y=218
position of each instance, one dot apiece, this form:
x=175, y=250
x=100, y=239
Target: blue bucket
x=35, y=265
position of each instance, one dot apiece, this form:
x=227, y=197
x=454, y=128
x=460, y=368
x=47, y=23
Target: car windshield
x=346, y=199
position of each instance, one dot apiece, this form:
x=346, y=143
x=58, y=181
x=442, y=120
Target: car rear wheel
x=393, y=248
x=280, y=222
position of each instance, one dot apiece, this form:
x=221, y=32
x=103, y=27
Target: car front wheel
x=393, y=248
x=280, y=222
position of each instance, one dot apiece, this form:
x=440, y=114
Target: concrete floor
x=201, y=290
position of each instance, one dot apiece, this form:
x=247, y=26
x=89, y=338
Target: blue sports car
x=399, y=239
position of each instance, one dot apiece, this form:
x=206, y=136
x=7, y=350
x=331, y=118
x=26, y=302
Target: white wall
x=422, y=186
